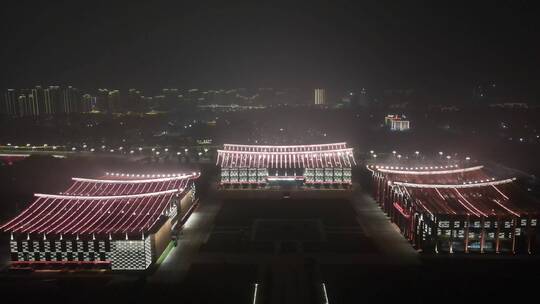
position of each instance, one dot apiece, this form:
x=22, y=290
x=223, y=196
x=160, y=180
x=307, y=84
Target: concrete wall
x=161, y=239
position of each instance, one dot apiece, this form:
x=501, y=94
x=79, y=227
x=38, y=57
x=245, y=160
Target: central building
x=306, y=166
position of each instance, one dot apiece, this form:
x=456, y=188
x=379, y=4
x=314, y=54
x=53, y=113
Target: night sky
x=441, y=48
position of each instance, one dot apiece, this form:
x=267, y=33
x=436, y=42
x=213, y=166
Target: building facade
x=119, y=222
x=255, y=166
x=320, y=96
x=446, y=209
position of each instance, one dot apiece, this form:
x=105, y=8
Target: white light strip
x=430, y=172
x=82, y=197
x=449, y=186
x=283, y=147
x=133, y=181
x=255, y=293
x=325, y=294
x=14, y=155
x=349, y=150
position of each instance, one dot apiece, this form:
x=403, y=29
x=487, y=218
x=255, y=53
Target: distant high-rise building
x=108, y=101
x=320, y=97
x=53, y=98
x=397, y=122
x=114, y=101
x=102, y=100
x=134, y=101
x=27, y=103
x=10, y=105
x=88, y=103
x=71, y=98
x=38, y=95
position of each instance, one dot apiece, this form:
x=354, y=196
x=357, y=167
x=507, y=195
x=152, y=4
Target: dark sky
x=441, y=48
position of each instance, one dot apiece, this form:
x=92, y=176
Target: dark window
x=63, y=246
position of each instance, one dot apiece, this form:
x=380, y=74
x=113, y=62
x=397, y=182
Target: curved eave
x=452, y=186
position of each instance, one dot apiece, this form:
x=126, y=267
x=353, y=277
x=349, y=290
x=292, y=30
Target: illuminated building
x=311, y=166
x=10, y=106
x=71, y=98
x=451, y=209
x=397, y=122
x=120, y=222
x=320, y=97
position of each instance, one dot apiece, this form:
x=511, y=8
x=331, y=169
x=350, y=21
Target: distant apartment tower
x=10, y=106
x=397, y=122
x=320, y=97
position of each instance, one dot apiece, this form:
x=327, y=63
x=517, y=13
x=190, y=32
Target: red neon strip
x=401, y=210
